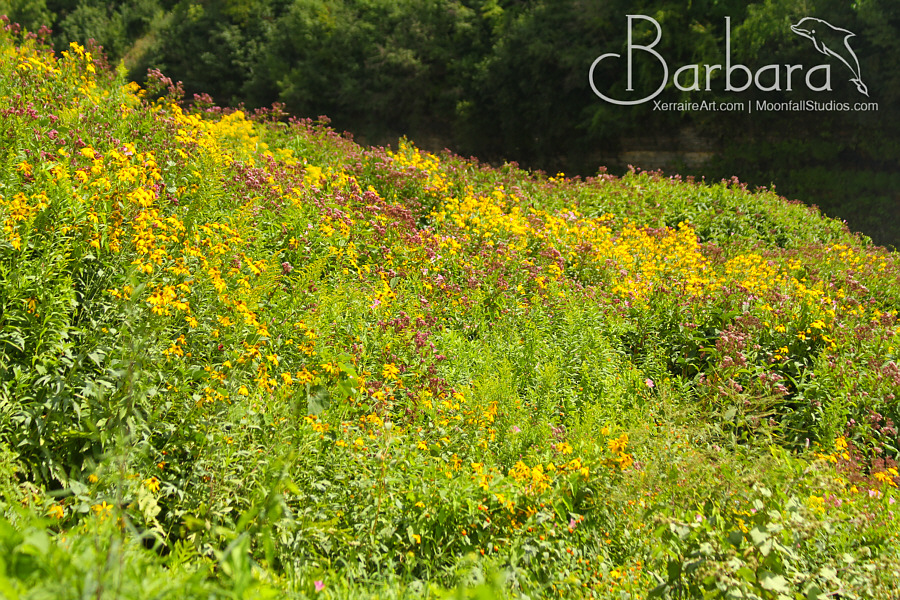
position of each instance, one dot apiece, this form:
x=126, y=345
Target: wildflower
x=56, y=511
x=624, y=460
x=103, y=509
x=24, y=168
x=649, y=383
x=885, y=477
x=520, y=471
x=617, y=445
x=538, y=479
x=319, y=585
x=152, y=484
x=390, y=371
x=92, y=478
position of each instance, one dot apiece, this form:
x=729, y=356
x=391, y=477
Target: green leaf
x=674, y=570
x=36, y=543
x=774, y=583
x=758, y=536
x=747, y=574
x=317, y=400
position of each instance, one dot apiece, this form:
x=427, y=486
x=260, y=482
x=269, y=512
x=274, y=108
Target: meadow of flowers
x=245, y=357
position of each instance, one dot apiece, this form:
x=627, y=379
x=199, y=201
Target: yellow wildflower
x=390, y=371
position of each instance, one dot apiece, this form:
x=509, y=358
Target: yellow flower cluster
x=20, y=209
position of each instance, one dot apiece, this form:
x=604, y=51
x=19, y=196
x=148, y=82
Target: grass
x=246, y=357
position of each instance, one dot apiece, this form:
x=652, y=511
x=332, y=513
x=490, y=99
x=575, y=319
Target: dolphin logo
x=832, y=41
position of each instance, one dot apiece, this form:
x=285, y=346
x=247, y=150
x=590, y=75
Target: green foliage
x=770, y=544
x=212, y=48
x=31, y=14
x=244, y=358
x=97, y=21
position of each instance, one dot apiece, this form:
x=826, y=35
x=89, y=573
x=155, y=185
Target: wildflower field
x=244, y=357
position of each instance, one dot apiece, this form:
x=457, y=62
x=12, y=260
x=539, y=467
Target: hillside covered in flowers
x=245, y=357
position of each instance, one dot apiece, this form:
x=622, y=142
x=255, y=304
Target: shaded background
x=507, y=81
